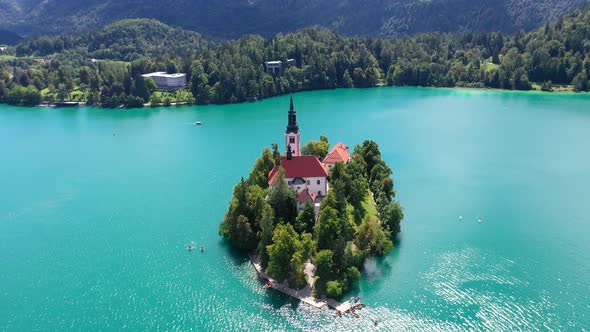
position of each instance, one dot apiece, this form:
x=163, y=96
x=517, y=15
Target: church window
x=318, y=181
x=292, y=140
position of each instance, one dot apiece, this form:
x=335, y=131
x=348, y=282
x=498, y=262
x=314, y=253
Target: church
x=304, y=174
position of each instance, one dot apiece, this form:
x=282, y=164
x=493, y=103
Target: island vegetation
x=358, y=218
x=104, y=67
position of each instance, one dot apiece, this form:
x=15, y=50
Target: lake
x=97, y=206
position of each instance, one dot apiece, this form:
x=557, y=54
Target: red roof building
x=302, y=173
x=306, y=195
x=339, y=153
x=299, y=167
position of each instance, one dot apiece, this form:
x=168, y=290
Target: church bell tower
x=292, y=135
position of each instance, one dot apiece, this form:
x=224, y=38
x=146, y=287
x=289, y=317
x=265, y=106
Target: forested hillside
x=383, y=18
x=104, y=67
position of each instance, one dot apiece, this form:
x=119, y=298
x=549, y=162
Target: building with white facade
x=276, y=67
x=306, y=175
x=167, y=82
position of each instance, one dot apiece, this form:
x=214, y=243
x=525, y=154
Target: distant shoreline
x=456, y=88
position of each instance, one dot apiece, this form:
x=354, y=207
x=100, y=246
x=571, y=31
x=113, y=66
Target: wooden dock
x=305, y=294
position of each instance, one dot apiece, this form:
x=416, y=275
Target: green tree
x=241, y=222
x=297, y=275
x=580, y=82
x=282, y=199
x=261, y=169
x=151, y=84
x=307, y=246
x=276, y=155
x=391, y=217
x=156, y=101
x=199, y=83
x=334, y=289
x=141, y=88
x=372, y=239
x=327, y=228
x=346, y=79
x=323, y=270
x=316, y=148
x=32, y=96
x=359, y=79
x=306, y=219
x=266, y=233
x=285, y=245
x=369, y=151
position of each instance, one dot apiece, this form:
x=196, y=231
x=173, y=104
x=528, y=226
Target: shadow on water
x=375, y=270
x=278, y=300
x=235, y=256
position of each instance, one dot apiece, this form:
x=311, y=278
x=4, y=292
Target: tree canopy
x=104, y=67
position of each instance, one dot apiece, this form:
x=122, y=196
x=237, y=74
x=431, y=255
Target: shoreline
x=304, y=295
x=456, y=88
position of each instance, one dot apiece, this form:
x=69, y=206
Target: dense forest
x=232, y=19
x=350, y=226
x=104, y=67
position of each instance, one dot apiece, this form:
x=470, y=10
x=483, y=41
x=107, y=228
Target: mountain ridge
x=378, y=18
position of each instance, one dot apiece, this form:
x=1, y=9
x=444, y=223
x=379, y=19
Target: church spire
x=292, y=126
x=292, y=134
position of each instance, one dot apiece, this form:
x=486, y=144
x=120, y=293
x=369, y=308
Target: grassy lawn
x=555, y=87
x=7, y=57
x=78, y=95
x=370, y=207
x=489, y=66
x=75, y=95
x=183, y=95
x=162, y=95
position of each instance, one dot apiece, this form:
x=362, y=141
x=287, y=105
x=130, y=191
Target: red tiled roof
x=339, y=153
x=299, y=167
x=306, y=195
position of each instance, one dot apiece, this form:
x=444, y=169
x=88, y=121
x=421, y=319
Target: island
x=309, y=218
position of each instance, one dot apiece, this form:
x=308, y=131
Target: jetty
x=305, y=294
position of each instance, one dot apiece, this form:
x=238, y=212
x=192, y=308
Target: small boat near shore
x=198, y=123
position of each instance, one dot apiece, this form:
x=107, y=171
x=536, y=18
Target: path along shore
x=305, y=294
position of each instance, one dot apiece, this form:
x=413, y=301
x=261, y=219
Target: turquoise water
x=96, y=207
